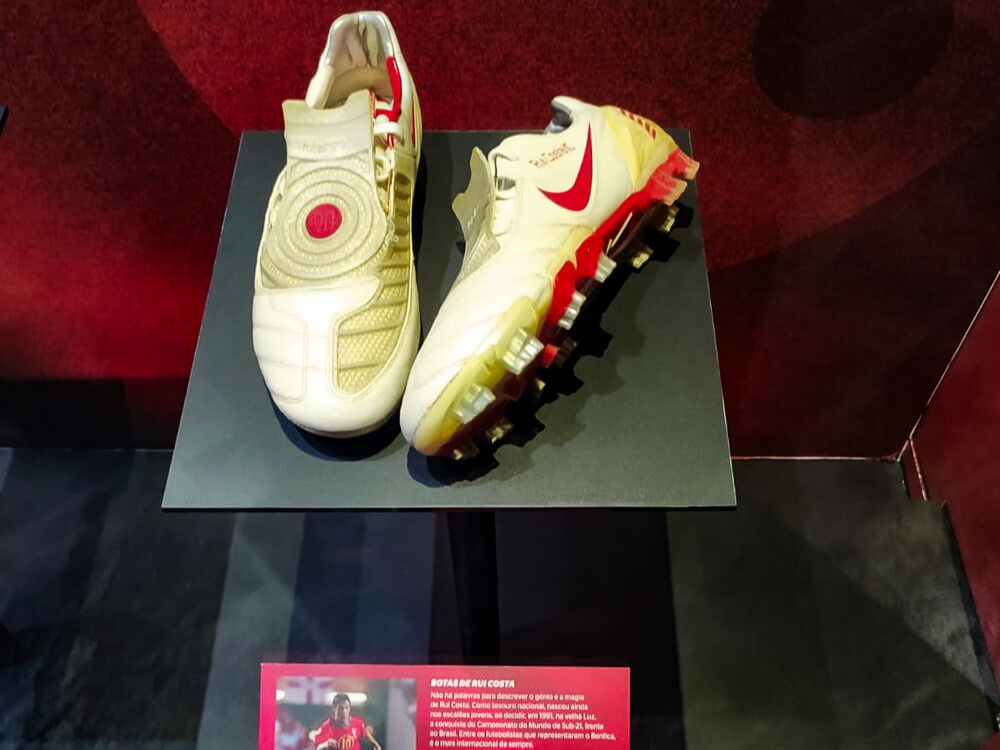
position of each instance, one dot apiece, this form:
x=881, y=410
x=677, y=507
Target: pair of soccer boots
x=546, y=218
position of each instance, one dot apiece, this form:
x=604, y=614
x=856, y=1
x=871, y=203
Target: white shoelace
x=384, y=129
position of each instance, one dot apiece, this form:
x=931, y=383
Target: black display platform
x=640, y=424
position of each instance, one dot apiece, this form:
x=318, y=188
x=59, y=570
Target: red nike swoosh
x=578, y=196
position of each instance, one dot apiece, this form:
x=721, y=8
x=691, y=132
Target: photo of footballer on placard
x=348, y=713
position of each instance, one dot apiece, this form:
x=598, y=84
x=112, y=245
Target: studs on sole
x=556, y=355
x=466, y=450
x=521, y=351
x=572, y=310
x=538, y=386
x=668, y=220
x=473, y=402
x=565, y=350
x=563, y=290
x=604, y=268
x=499, y=431
x=641, y=257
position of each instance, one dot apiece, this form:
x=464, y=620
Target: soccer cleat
x=335, y=315
x=547, y=218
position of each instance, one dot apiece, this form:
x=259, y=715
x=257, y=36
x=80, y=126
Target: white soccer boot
x=546, y=216
x=335, y=316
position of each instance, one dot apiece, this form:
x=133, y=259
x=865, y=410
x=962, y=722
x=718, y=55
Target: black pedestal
x=637, y=421
x=8, y=647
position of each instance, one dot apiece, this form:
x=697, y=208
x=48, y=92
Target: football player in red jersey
x=342, y=731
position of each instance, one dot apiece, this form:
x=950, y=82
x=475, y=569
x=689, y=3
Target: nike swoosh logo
x=578, y=195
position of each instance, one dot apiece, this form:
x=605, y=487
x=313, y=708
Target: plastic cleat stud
x=499, y=430
x=604, y=268
x=538, y=386
x=572, y=310
x=668, y=221
x=640, y=258
x=549, y=354
x=563, y=352
x=473, y=402
x=521, y=351
x=562, y=292
x=466, y=450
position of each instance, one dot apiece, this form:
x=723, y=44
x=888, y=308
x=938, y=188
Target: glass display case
x=740, y=441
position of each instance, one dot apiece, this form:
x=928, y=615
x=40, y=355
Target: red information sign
x=383, y=707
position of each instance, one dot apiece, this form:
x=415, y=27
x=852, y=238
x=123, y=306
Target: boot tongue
x=324, y=134
x=505, y=171
x=474, y=209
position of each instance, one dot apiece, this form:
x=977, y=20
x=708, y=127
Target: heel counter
x=625, y=136
x=644, y=142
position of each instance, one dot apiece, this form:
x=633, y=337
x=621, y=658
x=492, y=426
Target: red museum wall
x=956, y=444
x=849, y=179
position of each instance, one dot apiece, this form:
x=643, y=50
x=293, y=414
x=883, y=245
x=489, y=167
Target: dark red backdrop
x=849, y=181
x=956, y=445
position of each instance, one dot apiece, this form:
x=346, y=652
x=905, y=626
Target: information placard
x=397, y=707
